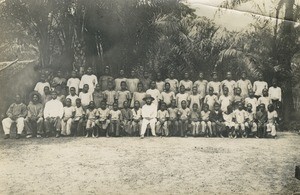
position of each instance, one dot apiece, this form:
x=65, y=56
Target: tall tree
x=285, y=45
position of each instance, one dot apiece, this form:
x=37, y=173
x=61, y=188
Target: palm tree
x=284, y=46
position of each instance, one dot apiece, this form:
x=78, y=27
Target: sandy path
x=149, y=166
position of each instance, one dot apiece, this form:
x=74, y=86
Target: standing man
x=119, y=80
x=229, y=83
x=201, y=85
x=104, y=79
x=53, y=113
x=244, y=84
x=90, y=79
x=132, y=82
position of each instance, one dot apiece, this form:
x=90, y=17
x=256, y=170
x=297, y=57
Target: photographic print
x=149, y=97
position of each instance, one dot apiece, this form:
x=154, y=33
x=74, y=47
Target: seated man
x=35, y=116
x=53, y=113
x=15, y=114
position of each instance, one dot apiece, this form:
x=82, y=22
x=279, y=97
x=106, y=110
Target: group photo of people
x=149, y=105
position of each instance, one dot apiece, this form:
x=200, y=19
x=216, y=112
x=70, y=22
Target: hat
x=148, y=96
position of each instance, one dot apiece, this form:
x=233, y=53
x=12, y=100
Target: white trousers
x=66, y=127
x=6, y=123
x=145, y=123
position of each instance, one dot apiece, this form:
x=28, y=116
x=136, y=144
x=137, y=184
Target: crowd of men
x=129, y=106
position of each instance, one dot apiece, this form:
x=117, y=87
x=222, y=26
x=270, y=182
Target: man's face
x=201, y=75
x=68, y=102
x=217, y=107
x=225, y=91
x=97, y=87
x=35, y=98
x=89, y=70
x=136, y=104
x=54, y=95
x=103, y=105
x=148, y=101
x=86, y=88
x=195, y=107
x=46, y=90
x=183, y=104
x=122, y=73
x=59, y=73
x=172, y=75
x=186, y=75
x=243, y=75
x=132, y=73
x=78, y=102
x=106, y=70
x=153, y=85
x=74, y=74
x=123, y=85
x=167, y=86
x=72, y=91
x=43, y=78
x=229, y=75
x=18, y=99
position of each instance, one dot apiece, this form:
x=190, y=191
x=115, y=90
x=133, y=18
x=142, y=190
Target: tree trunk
x=285, y=55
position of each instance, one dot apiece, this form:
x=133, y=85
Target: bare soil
x=130, y=165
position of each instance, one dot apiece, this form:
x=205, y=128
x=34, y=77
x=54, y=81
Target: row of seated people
x=54, y=118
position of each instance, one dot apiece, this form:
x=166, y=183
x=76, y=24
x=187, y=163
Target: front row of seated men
x=56, y=119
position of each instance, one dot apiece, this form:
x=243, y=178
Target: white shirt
x=245, y=86
x=155, y=94
x=216, y=85
x=225, y=101
x=149, y=111
x=85, y=98
x=230, y=85
x=118, y=83
x=258, y=87
x=187, y=84
x=253, y=102
x=264, y=100
x=136, y=114
x=173, y=84
x=160, y=86
x=201, y=87
x=132, y=84
x=275, y=93
x=167, y=97
x=68, y=111
x=39, y=87
x=73, y=99
x=91, y=80
x=73, y=82
x=54, y=108
x=240, y=115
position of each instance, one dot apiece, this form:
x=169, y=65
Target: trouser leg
x=6, y=124
x=20, y=125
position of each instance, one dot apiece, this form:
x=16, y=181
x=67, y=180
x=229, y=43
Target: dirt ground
x=150, y=166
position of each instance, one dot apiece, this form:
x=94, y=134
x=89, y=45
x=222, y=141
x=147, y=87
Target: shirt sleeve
x=279, y=91
x=81, y=82
x=9, y=112
x=36, y=88
x=60, y=110
x=23, y=111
